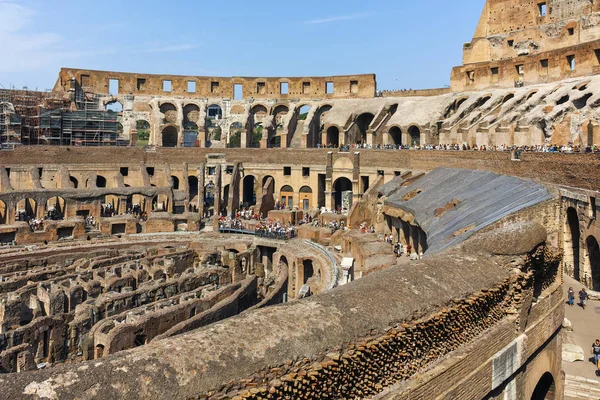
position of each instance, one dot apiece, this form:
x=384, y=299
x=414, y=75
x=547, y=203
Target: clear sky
x=407, y=43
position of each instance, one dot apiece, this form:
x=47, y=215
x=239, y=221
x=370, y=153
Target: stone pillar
x=218, y=190
x=201, y=189
x=284, y=140
x=370, y=136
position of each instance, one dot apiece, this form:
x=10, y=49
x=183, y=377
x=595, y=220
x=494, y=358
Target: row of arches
x=359, y=136
x=585, y=269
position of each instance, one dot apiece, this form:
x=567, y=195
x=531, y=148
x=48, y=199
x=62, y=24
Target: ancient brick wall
x=348, y=86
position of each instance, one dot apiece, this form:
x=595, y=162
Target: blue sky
x=408, y=44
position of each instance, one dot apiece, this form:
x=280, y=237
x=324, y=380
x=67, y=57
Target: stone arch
x=56, y=207
x=100, y=181
x=26, y=209
x=169, y=110
x=271, y=187
x=249, y=190
x=175, y=184
x=571, y=240
x=259, y=110
x=214, y=112
x=169, y=137
x=414, y=133
x=508, y=97
x=333, y=136
x=308, y=270
x=192, y=187
x=74, y=181
x=160, y=202
x=341, y=186
x=593, y=261
x=279, y=112
x=235, y=135
x=143, y=129
x=191, y=113
x=545, y=388
x=114, y=106
x=358, y=131
x=3, y=213
x=395, y=135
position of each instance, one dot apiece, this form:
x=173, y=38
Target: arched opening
x=214, y=112
x=571, y=243
x=193, y=187
x=333, y=136
x=235, y=135
x=358, y=131
x=209, y=195
x=26, y=209
x=415, y=135
x=114, y=106
x=175, y=184
x=259, y=111
x=249, y=191
x=99, y=351
x=160, y=203
x=594, y=261
x=170, y=113
x=395, y=135
x=308, y=270
x=257, y=135
x=169, y=137
x=545, y=388
x=55, y=208
x=316, y=127
x=303, y=112
x=74, y=181
x=280, y=112
x=286, y=196
x=508, y=97
x=305, y=198
x=2, y=212
x=190, y=134
x=110, y=206
x=143, y=131
x=100, y=181
x=342, y=194
x=271, y=187
x=139, y=340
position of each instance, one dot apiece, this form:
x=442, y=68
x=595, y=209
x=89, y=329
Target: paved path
x=582, y=380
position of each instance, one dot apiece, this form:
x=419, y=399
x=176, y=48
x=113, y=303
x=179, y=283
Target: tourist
x=583, y=298
x=596, y=352
x=571, y=296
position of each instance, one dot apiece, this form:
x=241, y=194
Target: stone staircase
x=577, y=388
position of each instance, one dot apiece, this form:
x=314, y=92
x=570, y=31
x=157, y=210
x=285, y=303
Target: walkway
x=582, y=381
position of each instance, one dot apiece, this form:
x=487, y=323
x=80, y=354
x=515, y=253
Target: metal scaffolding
x=32, y=117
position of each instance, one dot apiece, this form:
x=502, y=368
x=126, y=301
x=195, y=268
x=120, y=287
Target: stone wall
x=215, y=87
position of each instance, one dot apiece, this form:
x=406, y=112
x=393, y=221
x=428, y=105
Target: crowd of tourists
x=546, y=148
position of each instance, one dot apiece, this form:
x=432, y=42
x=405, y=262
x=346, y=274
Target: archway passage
x=342, y=194
x=395, y=135
x=74, y=181
x=594, y=259
x=193, y=187
x=308, y=270
x=545, y=389
x=169, y=137
x=333, y=136
x=415, y=135
x=358, y=132
x=571, y=242
x=100, y=181
x=235, y=135
x=249, y=191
